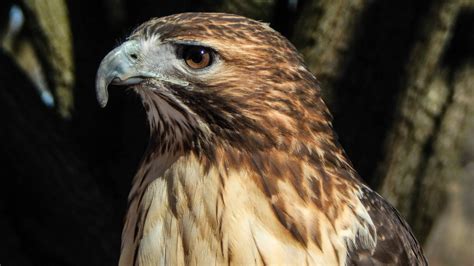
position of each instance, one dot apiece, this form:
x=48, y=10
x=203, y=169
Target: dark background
x=397, y=75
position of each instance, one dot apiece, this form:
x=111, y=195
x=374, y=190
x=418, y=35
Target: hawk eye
x=197, y=57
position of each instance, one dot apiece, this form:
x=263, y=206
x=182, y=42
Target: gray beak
x=119, y=67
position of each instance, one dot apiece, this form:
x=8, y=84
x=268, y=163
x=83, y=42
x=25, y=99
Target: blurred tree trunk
x=49, y=31
x=398, y=77
x=422, y=147
x=323, y=35
x=40, y=42
x=53, y=210
x=418, y=150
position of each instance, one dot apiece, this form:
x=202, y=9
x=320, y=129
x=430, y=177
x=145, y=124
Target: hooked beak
x=119, y=67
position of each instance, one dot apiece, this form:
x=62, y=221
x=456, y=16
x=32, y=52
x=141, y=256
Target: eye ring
x=197, y=57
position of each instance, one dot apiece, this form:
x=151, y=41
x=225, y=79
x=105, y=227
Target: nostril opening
x=133, y=56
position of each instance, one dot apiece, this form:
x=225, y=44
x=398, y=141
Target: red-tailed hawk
x=243, y=166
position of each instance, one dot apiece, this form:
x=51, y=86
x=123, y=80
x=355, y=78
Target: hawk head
x=239, y=135
x=210, y=77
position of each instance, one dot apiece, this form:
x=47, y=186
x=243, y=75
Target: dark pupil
x=196, y=55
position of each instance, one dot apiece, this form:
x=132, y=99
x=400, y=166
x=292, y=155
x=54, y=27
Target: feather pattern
x=243, y=165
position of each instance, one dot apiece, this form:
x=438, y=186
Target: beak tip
x=101, y=92
x=102, y=103
x=115, y=65
x=102, y=97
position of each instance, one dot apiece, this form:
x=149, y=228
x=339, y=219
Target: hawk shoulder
x=395, y=245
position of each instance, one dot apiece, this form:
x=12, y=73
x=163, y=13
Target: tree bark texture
x=323, y=35
x=48, y=23
x=420, y=148
x=398, y=77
